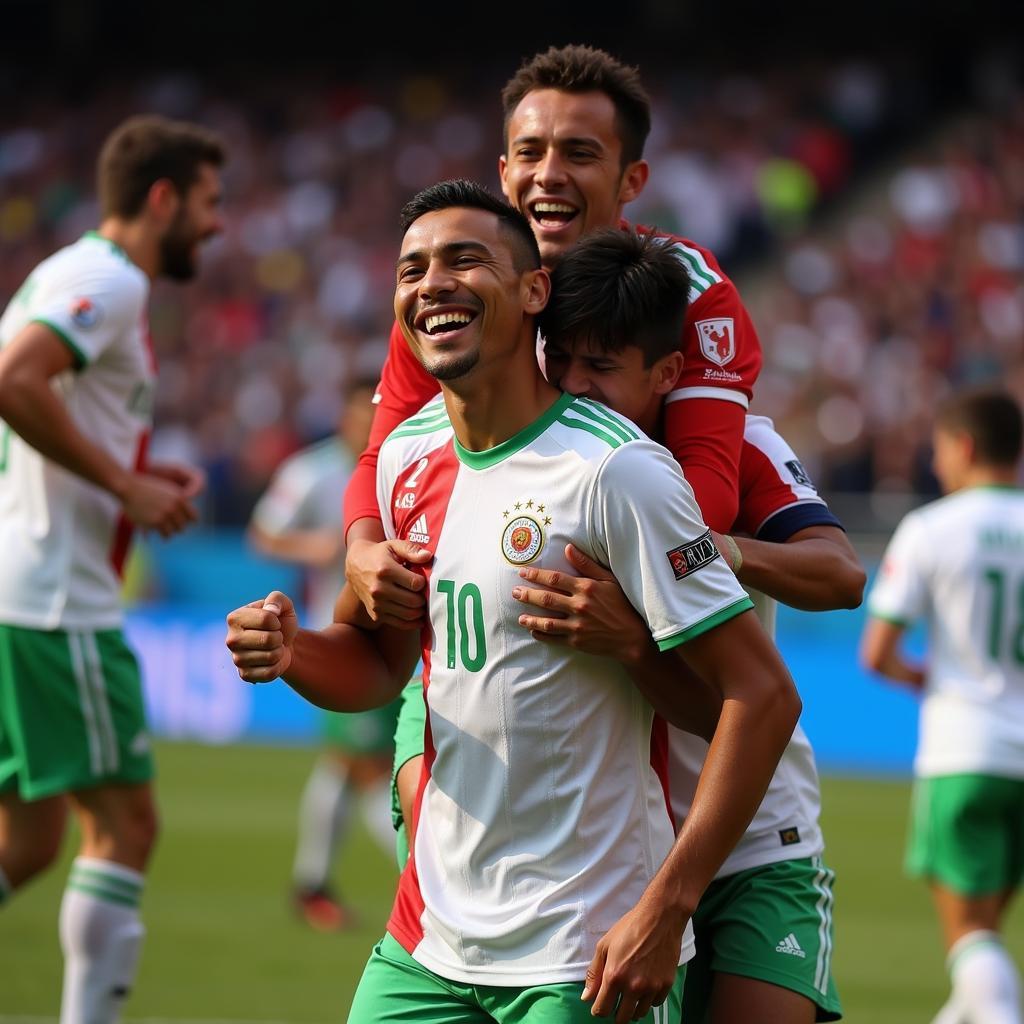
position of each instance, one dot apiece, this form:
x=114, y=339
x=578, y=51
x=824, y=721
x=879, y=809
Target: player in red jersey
x=575, y=125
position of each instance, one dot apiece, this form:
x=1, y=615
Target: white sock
x=100, y=934
x=986, y=984
x=323, y=816
x=5, y=886
x=376, y=808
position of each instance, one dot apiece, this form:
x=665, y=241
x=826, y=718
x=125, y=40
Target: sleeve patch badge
x=799, y=473
x=789, y=836
x=717, y=339
x=688, y=558
x=85, y=314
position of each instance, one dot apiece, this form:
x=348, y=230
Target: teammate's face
x=458, y=290
x=197, y=219
x=563, y=167
x=618, y=379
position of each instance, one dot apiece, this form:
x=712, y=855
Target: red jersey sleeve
x=704, y=413
x=403, y=389
x=705, y=436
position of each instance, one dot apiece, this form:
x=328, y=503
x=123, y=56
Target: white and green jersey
x=306, y=494
x=542, y=815
x=64, y=539
x=958, y=563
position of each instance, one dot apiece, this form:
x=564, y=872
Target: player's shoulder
x=592, y=429
x=421, y=433
x=93, y=265
x=699, y=261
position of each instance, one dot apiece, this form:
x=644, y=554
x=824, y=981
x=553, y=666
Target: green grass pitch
x=223, y=945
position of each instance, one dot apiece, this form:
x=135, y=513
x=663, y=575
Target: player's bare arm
x=880, y=653
x=759, y=712
x=591, y=613
x=30, y=407
x=815, y=570
x=342, y=667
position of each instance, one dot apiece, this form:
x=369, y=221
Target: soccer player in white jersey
x=76, y=392
x=541, y=817
x=298, y=519
x=958, y=564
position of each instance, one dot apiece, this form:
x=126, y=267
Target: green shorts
x=395, y=989
x=967, y=833
x=412, y=721
x=363, y=732
x=772, y=923
x=71, y=712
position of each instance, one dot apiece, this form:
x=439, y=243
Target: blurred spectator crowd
x=876, y=231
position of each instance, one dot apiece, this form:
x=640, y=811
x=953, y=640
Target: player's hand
x=589, y=612
x=260, y=637
x=391, y=593
x=191, y=479
x=157, y=503
x=635, y=963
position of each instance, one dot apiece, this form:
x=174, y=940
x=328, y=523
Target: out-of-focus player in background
x=958, y=564
x=299, y=519
x=77, y=374
x=576, y=121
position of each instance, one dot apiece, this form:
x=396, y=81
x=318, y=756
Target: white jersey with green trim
x=958, y=564
x=543, y=815
x=64, y=539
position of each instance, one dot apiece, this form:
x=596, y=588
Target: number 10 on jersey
x=459, y=609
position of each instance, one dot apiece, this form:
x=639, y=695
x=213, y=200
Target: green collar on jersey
x=113, y=245
x=995, y=487
x=492, y=456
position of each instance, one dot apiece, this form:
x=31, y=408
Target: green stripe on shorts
x=771, y=923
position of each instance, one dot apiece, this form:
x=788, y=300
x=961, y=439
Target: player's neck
x=133, y=237
x=991, y=476
x=488, y=407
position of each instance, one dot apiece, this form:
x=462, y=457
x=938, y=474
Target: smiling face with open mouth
x=563, y=167
x=457, y=285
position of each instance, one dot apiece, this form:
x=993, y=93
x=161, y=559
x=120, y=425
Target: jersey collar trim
x=106, y=241
x=500, y=452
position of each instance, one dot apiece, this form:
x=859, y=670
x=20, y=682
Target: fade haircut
x=991, y=418
x=459, y=192
x=585, y=69
x=146, y=149
x=617, y=289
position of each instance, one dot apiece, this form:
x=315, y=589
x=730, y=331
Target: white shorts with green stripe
x=71, y=711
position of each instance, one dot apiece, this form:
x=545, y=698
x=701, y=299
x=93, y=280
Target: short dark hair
x=145, y=149
x=618, y=289
x=459, y=192
x=585, y=69
x=991, y=418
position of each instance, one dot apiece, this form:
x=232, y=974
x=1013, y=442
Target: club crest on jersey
x=717, y=339
x=522, y=540
x=688, y=558
x=85, y=313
